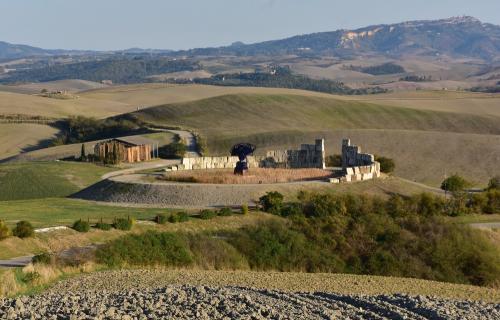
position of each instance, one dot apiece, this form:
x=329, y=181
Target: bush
x=225, y=212
x=43, y=258
x=4, y=230
x=23, y=229
x=123, y=224
x=178, y=217
x=454, y=183
x=494, y=183
x=272, y=202
x=81, y=226
x=207, y=214
x=173, y=150
x=387, y=165
x=150, y=248
x=161, y=219
x=244, y=209
x=103, y=226
x=334, y=160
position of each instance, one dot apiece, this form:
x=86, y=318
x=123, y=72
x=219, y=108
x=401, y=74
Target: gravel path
x=131, y=189
x=201, y=302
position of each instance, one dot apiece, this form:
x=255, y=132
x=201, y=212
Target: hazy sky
x=181, y=24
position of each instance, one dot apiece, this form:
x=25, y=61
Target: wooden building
x=123, y=150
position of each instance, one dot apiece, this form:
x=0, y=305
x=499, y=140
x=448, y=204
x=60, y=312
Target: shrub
x=81, y=226
x=173, y=150
x=292, y=209
x=150, y=248
x=123, y=224
x=29, y=277
x=244, y=209
x=272, y=202
x=103, y=226
x=161, y=219
x=387, y=165
x=178, y=217
x=225, y=212
x=334, y=160
x=494, y=183
x=207, y=214
x=23, y=229
x=43, y=258
x=454, y=183
x=493, y=202
x=4, y=230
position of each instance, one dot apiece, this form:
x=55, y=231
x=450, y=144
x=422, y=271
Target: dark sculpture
x=242, y=151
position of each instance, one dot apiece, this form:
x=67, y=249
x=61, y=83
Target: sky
x=184, y=24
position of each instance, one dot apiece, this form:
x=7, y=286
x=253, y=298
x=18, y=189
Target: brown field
x=254, y=176
x=13, y=103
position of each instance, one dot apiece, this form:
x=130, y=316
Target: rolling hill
x=456, y=142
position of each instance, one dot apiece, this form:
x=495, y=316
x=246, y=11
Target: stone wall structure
x=308, y=156
x=356, y=166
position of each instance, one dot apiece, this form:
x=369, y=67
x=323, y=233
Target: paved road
x=188, y=138
x=486, y=225
x=16, y=262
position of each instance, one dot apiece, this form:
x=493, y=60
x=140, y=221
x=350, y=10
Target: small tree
x=334, y=160
x=23, y=229
x=454, y=183
x=83, y=155
x=272, y=202
x=4, y=230
x=387, y=165
x=244, y=209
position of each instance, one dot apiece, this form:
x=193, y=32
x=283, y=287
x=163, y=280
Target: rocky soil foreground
x=201, y=302
x=159, y=293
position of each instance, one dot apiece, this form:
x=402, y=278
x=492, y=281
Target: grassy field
x=65, y=212
x=15, y=138
x=46, y=179
x=467, y=144
x=62, y=211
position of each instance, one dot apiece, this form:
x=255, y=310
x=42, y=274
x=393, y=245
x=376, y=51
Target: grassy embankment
x=456, y=142
x=46, y=179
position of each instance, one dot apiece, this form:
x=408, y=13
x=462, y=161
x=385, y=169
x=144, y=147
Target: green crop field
x=426, y=144
x=34, y=180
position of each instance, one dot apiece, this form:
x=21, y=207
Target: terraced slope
x=424, y=143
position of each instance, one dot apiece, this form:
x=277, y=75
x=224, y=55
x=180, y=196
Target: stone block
x=197, y=166
x=181, y=167
x=335, y=180
x=349, y=171
x=367, y=176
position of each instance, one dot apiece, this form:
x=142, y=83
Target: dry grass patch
x=254, y=176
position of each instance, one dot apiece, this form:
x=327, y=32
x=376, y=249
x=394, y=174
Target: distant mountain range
x=458, y=37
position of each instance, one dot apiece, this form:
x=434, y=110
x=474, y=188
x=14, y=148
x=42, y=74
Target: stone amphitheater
x=145, y=189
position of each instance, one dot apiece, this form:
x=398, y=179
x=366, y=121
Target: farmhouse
x=127, y=149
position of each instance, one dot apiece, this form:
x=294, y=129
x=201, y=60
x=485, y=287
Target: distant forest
x=118, y=70
x=386, y=68
x=281, y=77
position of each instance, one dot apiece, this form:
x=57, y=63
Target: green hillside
x=34, y=180
x=452, y=142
